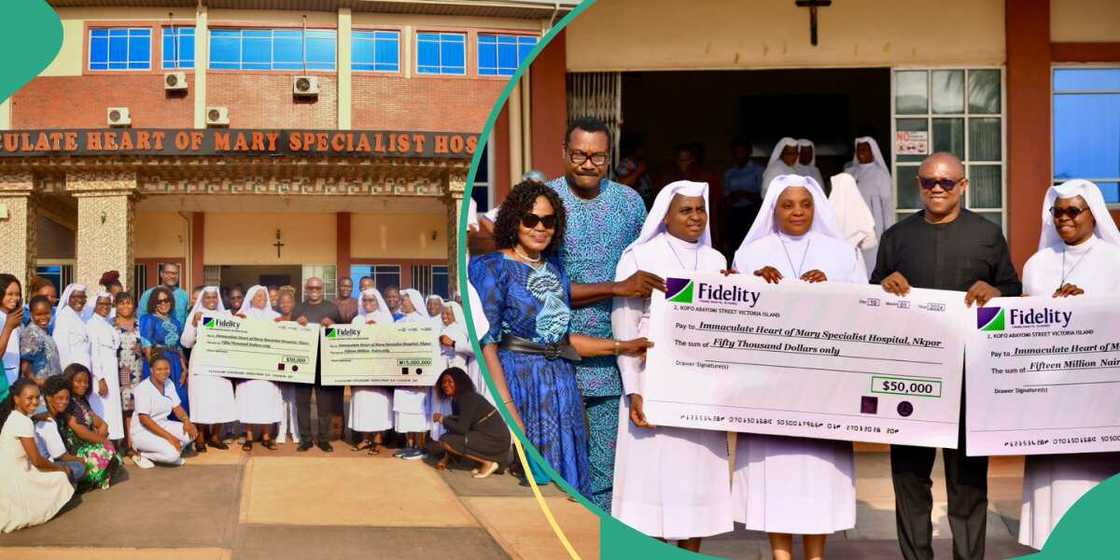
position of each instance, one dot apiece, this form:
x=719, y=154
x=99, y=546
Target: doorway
x=246, y=276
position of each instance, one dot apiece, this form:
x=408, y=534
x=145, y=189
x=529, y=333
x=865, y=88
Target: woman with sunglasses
x=161, y=331
x=529, y=350
x=1078, y=253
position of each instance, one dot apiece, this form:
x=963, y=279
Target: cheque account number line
x=731, y=330
x=832, y=370
x=1045, y=428
x=864, y=416
x=842, y=356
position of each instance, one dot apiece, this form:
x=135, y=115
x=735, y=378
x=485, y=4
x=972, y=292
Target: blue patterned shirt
x=598, y=230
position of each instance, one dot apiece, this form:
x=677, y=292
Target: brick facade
x=81, y=101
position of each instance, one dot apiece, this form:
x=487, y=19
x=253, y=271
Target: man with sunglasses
x=943, y=247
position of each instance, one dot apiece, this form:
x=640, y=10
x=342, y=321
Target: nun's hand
x=437, y=418
x=729, y=272
x=770, y=274
x=194, y=320
x=980, y=292
x=445, y=340
x=639, y=284
x=1067, y=290
x=896, y=284
x=302, y=321
x=637, y=412
x=102, y=388
x=371, y=322
x=278, y=320
x=814, y=276
x=241, y=315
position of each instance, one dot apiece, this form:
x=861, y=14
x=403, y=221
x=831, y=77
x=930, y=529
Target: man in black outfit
x=943, y=247
x=316, y=310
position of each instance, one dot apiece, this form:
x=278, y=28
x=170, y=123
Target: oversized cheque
x=396, y=354
x=1044, y=376
x=833, y=361
x=253, y=349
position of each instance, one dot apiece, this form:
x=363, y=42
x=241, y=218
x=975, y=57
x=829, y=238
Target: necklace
x=1066, y=273
x=695, y=259
x=521, y=253
x=796, y=271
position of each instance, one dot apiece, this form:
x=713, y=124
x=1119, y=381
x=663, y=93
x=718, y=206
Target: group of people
x=92, y=378
x=566, y=297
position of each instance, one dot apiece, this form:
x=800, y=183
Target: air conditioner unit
x=118, y=116
x=217, y=116
x=305, y=86
x=175, y=81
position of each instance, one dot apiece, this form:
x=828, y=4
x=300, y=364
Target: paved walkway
x=282, y=504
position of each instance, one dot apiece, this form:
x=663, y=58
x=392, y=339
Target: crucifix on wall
x=813, y=5
x=279, y=244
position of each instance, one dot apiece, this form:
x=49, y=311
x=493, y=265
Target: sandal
x=267, y=444
x=375, y=449
x=219, y=444
x=362, y=446
x=199, y=447
x=247, y=446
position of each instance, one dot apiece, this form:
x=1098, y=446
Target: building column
x=345, y=72
x=202, y=58
x=105, y=224
x=18, y=226
x=342, y=245
x=456, y=187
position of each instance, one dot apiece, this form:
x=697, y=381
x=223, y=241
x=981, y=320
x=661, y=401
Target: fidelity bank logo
x=995, y=319
x=215, y=322
x=682, y=290
x=990, y=319
x=342, y=332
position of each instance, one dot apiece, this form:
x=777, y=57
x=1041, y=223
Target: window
x=440, y=285
x=500, y=55
x=376, y=51
x=384, y=275
x=950, y=110
x=272, y=49
x=178, y=48
x=120, y=48
x=480, y=188
x=441, y=53
x=60, y=275
x=1087, y=127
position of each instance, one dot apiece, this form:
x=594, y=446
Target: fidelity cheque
x=253, y=349
x=397, y=354
x=828, y=360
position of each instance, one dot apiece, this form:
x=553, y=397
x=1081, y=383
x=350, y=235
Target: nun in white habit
x=434, y=307
x=410, y=404
x=104, y=341
x=873, y=178
x=70, y=334
x=455, y=343
x=259, y=401
x=807, y=161
x=853, y=217
x=782, y=161
x=787, y=485
x=669, y=483
x=211, y=396
x=1077, y=256
x=371, y=406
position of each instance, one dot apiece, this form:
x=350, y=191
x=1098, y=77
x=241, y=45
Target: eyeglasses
x=946, y=185
x=162, y=301
x=598, y=159
x=1072, y=212
x=314, y=288
x=530, y=221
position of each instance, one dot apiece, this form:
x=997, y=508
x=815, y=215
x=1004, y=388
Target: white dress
x=71, y=338
x=28, y=496
x=11, y=353
x=671, y=483
x=410, y=404
x=104, y=342
x=1053, y=483
x=785, y=484
x=371, y=406
x=211, y=396
x=157, y=405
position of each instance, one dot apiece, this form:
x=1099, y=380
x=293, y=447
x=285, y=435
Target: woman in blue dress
x=160, y=333
x=529, y=351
